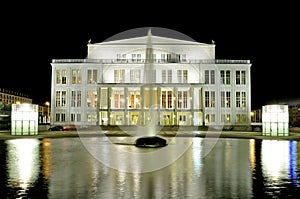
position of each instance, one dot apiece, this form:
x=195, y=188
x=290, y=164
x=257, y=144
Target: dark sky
x=266, y=34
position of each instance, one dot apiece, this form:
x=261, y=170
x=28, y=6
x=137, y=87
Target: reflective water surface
x=66, y=168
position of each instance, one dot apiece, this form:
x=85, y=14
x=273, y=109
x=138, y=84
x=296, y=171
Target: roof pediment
x=155, y=40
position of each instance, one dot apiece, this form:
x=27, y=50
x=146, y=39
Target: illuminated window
x=134, y=98
x=76, y=76
x=61, y=76
x=166, y=99
x=92, y=76
x=91, y=99
x=118, y=99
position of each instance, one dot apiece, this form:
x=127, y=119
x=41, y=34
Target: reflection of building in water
x=191, y=87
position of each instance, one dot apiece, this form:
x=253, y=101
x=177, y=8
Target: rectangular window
x=60, y=117
x=57, y=117
x=60, y=98
x=182, y=76
x=241, y=118
x=135, y=76
x=240, y=77
x=182, y=99
x=76, y=99
x=225, y=76
x=63, y=98
x=134, y=98
x=225, y=118
x=166, y=76
x=225, y=99
x=240, y=99
x=92, y=76
x=237, y=77
x=119, y=76
x=76, y=76
x=166, y=99
x=78, y=117
x=210, y=76
x=118, y=98
x=103, y=98
x=57, y=99
x=210, y=98
x=72, y=117
x=91, y=117
x=91, y=99
x=58, y=77
x=61, y=76
x=206, y=76
x=243, y=77
x=210, y=118
x=73, y=98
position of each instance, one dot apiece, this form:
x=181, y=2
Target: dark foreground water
x=113, y=168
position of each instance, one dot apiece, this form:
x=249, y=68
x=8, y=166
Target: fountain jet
x=150, y=139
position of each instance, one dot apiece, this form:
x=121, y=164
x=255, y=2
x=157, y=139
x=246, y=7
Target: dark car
x=56, y=128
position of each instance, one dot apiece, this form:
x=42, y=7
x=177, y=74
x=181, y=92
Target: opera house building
x=151, y=78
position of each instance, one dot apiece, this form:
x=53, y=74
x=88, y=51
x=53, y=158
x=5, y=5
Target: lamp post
x=48, y=111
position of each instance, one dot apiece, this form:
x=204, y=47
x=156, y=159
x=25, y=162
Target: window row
x=226, y=118
x=168, y=98
x=164, y=57
x=76, y=117
x=225, y=77
x=210, y=99
x=119, y=76
x=165, y=118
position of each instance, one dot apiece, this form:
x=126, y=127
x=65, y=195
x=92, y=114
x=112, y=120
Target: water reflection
x=22, y=164
x=65, y=168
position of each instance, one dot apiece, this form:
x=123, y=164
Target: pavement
x=294, y=134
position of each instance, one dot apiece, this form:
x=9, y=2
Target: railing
x=130, y=61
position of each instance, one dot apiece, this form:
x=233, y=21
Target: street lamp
x=48, y=111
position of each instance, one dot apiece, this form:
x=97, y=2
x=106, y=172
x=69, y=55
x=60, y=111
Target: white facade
x=191, y=87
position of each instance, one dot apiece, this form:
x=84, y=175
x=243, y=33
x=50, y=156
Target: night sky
x=267, y=35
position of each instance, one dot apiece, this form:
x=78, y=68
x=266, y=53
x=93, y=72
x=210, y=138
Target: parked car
x=56, y=128
x=69, y=127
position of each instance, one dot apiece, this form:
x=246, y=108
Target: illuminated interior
x=24, y=119
x=275, y=120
